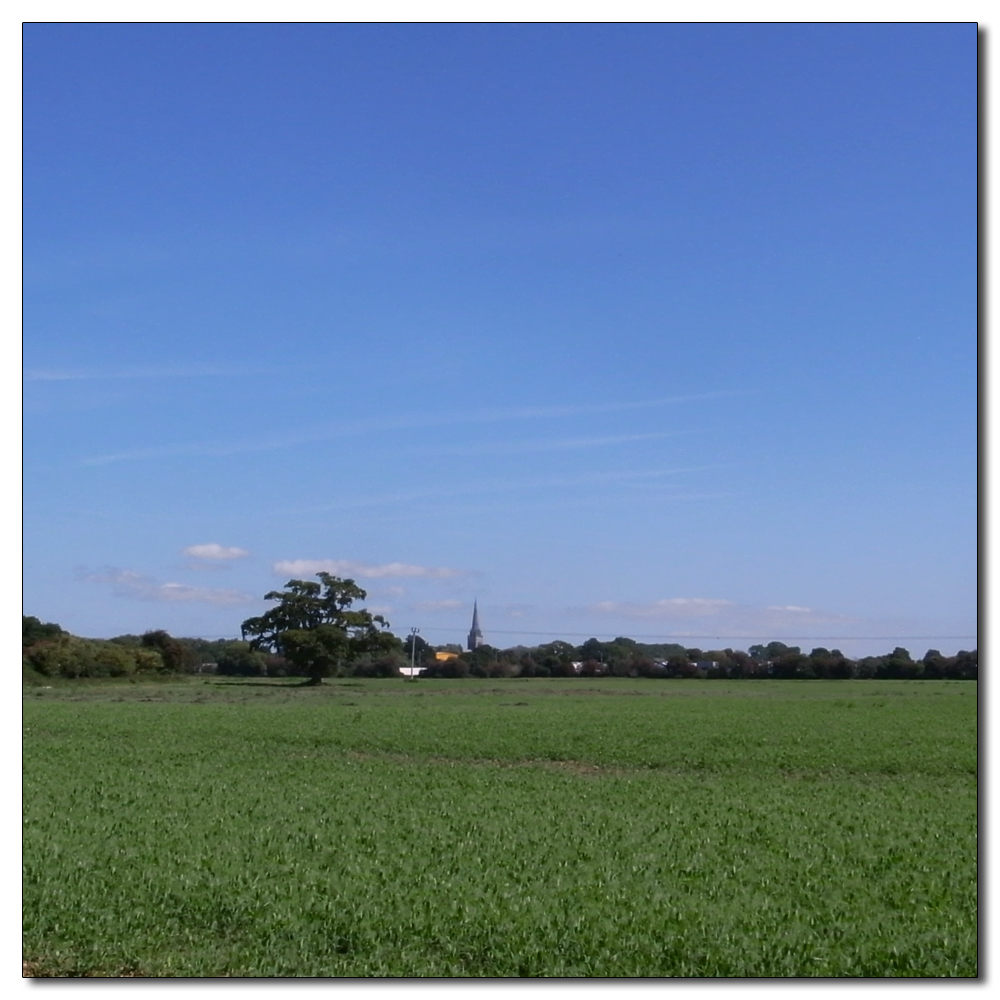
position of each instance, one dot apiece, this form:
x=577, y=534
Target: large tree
x=314, y=628
x=177, y=657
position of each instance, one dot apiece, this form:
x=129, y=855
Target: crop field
x=578, y=827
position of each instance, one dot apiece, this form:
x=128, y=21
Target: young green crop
x=484, y=829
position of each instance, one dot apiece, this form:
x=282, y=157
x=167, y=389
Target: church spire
x=475, y=633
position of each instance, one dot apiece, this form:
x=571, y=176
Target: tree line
x=313, y=631
x=624, y=657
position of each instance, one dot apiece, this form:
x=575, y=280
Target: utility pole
x=414, y=632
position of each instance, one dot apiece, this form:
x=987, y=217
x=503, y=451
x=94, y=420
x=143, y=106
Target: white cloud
x=349, y=568
x=212, y=550
x=206, y=595
x=670, y=607
x=448, y=605
x=725, y=618
x=128, y=583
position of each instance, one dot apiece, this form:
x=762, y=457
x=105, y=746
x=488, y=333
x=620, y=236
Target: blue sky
x=655, y=330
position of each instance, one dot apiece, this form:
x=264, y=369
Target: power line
x=701, y=635
x=695, y=635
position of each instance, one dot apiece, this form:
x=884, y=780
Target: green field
x=571, y=827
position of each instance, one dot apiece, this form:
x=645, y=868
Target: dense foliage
x=314, y=627
x=372, y=651
x=604, y=827
x=71, y=657
x=625, y=657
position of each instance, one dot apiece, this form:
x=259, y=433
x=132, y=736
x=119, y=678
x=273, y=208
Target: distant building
x=475, y=633
x=443, y=656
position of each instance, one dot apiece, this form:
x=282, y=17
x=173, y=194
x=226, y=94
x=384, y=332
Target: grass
x=517, y=828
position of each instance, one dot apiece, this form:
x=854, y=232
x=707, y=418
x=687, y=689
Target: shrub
x=239, y=660
x=71, y=657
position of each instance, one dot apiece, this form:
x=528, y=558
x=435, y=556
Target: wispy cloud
x=670, y=607
x=213, y=551
x=493, y=487
x=348, y=567
x=448, y=605
x=722, y=616
x=404, y=422
x=520, y=447
x=128, y=583
x=93, y=374
x=206, y=449
x=518, y=610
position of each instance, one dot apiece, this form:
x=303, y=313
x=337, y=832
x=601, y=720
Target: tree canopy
x=314, y=627
x=33, y=630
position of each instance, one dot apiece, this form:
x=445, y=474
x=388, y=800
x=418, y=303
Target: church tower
x=475, y=633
